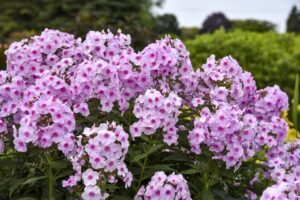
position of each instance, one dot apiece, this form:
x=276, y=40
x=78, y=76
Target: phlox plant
x=93, y=119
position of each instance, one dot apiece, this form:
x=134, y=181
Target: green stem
x=142, y=172
x=206, y=193
x=144, y=164
x=50, y=177
x=51, y=188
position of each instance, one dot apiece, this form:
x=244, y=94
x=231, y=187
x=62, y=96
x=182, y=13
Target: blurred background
x=262, y=35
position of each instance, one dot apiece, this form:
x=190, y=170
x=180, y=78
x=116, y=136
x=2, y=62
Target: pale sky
x=193, y=12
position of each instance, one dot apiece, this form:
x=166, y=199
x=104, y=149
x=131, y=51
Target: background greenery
x=271, y=57
x=78, y=16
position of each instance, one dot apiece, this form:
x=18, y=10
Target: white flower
x=92, y=193
x=90, y=177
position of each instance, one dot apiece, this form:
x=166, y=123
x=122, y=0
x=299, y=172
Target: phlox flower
x=90, y=177
x=162, y=187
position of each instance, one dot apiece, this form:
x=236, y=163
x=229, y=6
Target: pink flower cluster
x=163, y=187
x=282, y=191
x=155, y=111
x=284, y=164
x=101, y=151
x=235, y=120
x=43, y=119
x=52, y=78
x=169, y=65
x=71, y=72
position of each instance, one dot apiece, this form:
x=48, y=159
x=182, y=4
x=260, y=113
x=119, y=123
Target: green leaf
x=14, y=185
x=33, y=179
x=10, y=163
x=177, y=157
x=191, y=171
x=149, y=173
x=64, y=174
x=161, y=167
x=155, y=148
x=145, y=138
x=110, y=117
x=58, y=164
x=185, y=114
x=295, y=103
x=150, y=151
x=139, y=157
x=111, y=187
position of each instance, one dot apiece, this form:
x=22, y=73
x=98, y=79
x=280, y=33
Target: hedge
x=271, y=57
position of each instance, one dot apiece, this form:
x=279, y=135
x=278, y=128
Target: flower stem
x=50, y=177
x=51, y=188
x=142, y=172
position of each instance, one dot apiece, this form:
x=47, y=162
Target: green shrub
x=271, y=57
x=253, y=25
x=2, y=58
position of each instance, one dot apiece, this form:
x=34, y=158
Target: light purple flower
x=162, y=186
x=90, y=177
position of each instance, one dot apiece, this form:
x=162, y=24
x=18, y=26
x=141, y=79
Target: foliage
x=189, y=32
x=166, y=24
x=214, y=22
x=2, y=57
x=133, y=16
x=293, y=21
x=253, y=25
x=272, y=58
x=296, y=103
